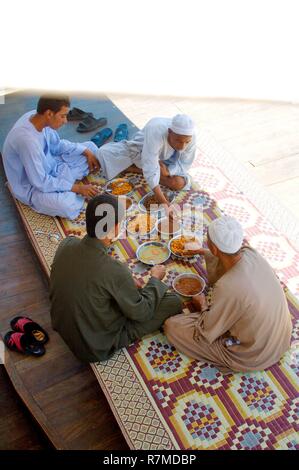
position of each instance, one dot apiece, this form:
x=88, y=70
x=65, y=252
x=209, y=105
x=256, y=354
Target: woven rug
x=162, y=399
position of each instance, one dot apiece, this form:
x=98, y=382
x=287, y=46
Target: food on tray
x=120, y=186
x=141, y=224
x=153, y=254
x=192, y=246
x=169, y=226
x=188, y=286
x=127, y=202
x=151, y=199
x=178, y=245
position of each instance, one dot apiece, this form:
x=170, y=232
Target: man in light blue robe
x=41, y=168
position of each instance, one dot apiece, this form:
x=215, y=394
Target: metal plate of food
x=128, y=203
x=119, y=187
x=141, y=224
x=153, y=253
x=177, y=245
x=168, y=227
x=188, y=284
x=150, y=200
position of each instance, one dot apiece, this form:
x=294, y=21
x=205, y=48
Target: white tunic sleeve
x=184, y=161
x=63, y=147
x=34, y=162
x=152, y=145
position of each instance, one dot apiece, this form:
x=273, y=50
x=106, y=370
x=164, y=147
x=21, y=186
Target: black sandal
x=23, y=343
x=91, y=123
x=31, y=328
x=77, y=114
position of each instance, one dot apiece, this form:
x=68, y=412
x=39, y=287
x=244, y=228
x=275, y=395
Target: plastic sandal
x=23, y=343
x=90, y=124
x=31, y=328
x=102, y=136
x=121, y=133
x=76, y=114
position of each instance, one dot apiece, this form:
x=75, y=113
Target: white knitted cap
x=226, y=233
x=182, y=124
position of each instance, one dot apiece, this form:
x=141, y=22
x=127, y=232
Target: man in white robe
x=247, y=325
x=163, y=150
x=41, y=168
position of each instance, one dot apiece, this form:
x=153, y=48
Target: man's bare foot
x=175, y=183
x=134, y=169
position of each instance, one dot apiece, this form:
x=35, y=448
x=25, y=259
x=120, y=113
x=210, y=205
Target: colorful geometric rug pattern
x=161, y=398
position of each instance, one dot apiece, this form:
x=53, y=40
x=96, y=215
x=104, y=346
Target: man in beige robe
x=247, y=326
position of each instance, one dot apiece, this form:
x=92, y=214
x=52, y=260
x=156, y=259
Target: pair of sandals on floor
x=90, y=123
x=26, y=337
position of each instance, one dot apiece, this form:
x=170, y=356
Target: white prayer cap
x=182, y=124
x=226, y=233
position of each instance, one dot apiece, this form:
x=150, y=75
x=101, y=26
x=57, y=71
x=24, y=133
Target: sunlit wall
x=227, y=48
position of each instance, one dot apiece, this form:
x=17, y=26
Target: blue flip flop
x=102, y=136
x=121, y=133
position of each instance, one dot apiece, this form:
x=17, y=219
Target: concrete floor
x=263, y=136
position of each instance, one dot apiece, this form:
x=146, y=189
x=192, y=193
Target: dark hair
x=92, y=219
x=52, y=102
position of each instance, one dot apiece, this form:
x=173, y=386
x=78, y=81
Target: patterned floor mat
x=162, y=399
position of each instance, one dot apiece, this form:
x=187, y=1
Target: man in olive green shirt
x=96, y=305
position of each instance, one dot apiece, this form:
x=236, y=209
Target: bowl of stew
x=188, y=284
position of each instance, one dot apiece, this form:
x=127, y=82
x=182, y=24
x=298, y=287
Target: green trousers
x=170, y=305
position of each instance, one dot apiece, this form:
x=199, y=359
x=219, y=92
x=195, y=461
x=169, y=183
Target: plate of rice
x=119, y=187
x=141, y=225
x=177, y=246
